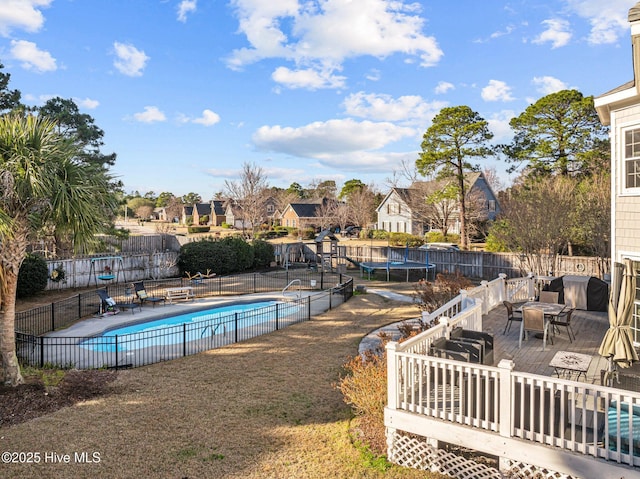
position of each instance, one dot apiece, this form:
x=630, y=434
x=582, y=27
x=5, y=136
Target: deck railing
x=574, y=417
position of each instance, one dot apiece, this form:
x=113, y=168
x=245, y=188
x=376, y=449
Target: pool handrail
x=292, y=282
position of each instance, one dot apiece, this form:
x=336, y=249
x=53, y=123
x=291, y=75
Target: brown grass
x=264, y=408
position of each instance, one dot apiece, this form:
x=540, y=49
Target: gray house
x=403, y=210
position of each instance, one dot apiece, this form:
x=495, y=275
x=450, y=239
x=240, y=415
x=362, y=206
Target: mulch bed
x=33, y=399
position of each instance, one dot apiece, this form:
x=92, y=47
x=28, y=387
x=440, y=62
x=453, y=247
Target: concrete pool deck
x=98, y=324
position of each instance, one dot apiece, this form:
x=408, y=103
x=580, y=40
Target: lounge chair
x=143, y=296
x=109, y=305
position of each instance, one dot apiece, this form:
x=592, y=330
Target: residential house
x=218, y=213
x=620, y=108
x=187, y=214
x=202, y=214
x=303, y=214
x=397, y=211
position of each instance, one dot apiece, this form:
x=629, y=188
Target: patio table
x=566, y=363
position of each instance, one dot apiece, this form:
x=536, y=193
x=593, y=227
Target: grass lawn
x=264, y=408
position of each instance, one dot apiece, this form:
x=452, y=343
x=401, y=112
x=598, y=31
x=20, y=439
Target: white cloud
x=386, y=108
x=87, y=103
x=208, y=118
x=373, y=75
x=31, y=57
x=497, y=90
x=608, y=19
x=557, y=33
x=321, y=36
x=499, y=126
x=443, y=87
x=548, y=84
x=130, y=61
x=307, y=78
x=185, y=7
x=325, y=139
x=151, y=114
x=21, y=14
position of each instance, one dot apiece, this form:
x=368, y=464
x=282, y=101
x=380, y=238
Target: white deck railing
x=571, y=416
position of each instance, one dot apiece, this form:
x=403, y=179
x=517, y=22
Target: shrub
x=198, y=229
x=364, y=387
x=189, y=220
x=446, y=286
x=204, y=219
x=225, y=225
x=243, y=252
x=33, y=276
x=405, y=239
x=308, y=233
x=379, y=234
x=263, y=254
x=438, y=237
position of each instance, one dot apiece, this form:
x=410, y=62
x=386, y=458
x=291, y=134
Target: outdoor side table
x=566, y=363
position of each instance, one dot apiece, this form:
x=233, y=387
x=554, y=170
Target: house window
x=492, y=206
x=632, y=158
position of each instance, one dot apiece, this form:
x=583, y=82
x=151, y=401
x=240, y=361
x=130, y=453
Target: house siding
x=394, y=216
x=626, y=205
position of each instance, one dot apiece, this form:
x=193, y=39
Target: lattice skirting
x=413, y=451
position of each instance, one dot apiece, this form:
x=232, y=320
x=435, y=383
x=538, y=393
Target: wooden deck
x=589, y=327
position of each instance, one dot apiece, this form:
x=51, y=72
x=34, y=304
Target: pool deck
x=98, y=324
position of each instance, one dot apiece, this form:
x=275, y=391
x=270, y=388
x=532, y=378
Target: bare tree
x=593, y=217
x=326, y=213
x=362, y=206
x=250, y=194
x=537, y=221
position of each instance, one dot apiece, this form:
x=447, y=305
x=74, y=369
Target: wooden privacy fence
x=78, y=272
x=473, y=264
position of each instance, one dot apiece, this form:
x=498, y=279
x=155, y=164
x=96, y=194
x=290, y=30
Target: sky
x=187, y=91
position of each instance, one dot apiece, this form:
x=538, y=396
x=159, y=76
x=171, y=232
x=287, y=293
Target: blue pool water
x=189, y=326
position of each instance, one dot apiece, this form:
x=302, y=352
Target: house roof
x=203, y=208
x=305, y=210
x=218, y=207
x=188, y=210
x=404, y=193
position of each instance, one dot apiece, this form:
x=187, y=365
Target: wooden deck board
x=589, y=327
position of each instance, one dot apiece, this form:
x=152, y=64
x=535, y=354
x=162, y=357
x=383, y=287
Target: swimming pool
x=193, y=326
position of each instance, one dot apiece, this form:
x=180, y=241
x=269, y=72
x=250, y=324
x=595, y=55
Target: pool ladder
x=291, y=283
x=213, y=330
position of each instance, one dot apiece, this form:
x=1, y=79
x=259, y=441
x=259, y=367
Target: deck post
x=392, y=375
x=485, y=296
x=506, y=367
x=503, y=290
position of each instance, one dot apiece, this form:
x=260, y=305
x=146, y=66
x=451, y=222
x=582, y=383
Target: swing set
x=109, y=269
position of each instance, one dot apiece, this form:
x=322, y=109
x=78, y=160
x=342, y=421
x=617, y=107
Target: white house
x=396, y=213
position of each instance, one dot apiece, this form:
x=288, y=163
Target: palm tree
x=43, y=182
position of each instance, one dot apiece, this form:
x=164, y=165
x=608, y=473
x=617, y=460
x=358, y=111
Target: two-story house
x=620, y=108
x=403, y=210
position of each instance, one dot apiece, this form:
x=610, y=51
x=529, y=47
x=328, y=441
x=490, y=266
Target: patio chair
x=512, y=315
x=533, y=320
x=109, y=305
x=549, y=297
x=143, y=296
x=564, y=320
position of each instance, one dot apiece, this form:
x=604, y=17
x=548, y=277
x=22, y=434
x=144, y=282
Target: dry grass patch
x=264, y=408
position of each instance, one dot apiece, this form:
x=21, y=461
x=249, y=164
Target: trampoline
x=371, y=266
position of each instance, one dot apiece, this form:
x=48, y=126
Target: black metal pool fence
x=137, y=349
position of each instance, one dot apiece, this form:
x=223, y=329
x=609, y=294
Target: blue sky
x=188, y=90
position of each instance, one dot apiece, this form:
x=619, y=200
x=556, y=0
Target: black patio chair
x=512, y=315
